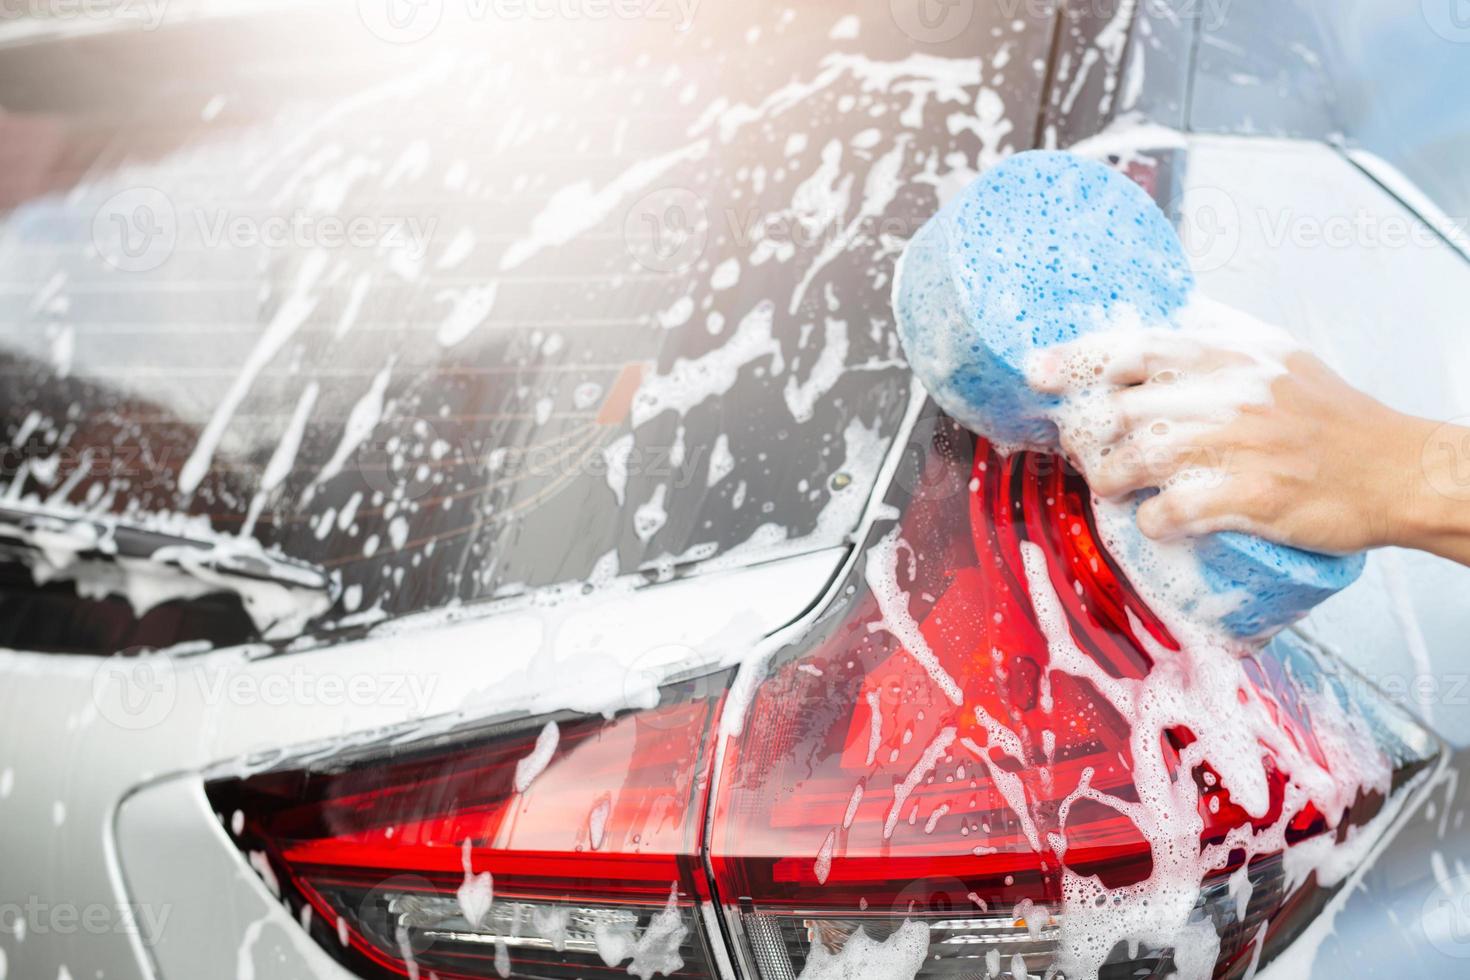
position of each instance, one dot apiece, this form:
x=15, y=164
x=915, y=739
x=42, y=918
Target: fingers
x=1120, y=359
x=1179, y=399
x=1154, y=457
x=1199, y=502
x=1164, y=516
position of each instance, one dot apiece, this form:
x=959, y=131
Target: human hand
x=1239, y=430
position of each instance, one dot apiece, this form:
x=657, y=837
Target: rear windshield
x=491, y=307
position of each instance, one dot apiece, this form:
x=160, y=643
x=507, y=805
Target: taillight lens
x=553, y=848
x=991, y=759
x=986, y=757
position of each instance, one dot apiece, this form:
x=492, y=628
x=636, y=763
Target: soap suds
x=899, y=957
x=1206, y=679
x=477, y=892
x=292, y=313
x=533, y=765
x=882, y=573
x=361, y=422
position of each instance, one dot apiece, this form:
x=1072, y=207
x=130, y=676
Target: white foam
x=533, y=765
x=58, y=553
x=361, y=421
x=292, y=313
x=1204, y=688
x=657, y=950
x=476, y=892
x=893, y=602
x=1186, y=405
x=577, y=208
x=823, y=865
x=932, y=754
x=801, y=398
x=899, y=957
x=471, y=307
x=693, y=380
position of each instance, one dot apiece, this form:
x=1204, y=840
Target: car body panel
x=137, y=829
x=90, y=732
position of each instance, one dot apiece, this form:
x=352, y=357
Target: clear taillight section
x=548, y=848
x=922, y=785
x=982, y=759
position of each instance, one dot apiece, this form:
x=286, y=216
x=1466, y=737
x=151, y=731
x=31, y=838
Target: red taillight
x=947, y=771
x=985, y=757
x=562, y=848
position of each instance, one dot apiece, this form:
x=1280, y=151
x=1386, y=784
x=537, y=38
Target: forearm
x=1436, y=517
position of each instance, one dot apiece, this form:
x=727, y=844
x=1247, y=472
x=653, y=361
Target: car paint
x=137, y=830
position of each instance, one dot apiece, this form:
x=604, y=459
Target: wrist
x=1435, y=517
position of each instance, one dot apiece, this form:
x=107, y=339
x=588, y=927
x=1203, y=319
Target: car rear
x=675, y=635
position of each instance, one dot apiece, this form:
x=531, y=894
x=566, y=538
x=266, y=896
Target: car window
x=1375, y=74
x=497, y=307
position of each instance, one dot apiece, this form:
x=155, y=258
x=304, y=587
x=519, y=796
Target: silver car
x=466, y=512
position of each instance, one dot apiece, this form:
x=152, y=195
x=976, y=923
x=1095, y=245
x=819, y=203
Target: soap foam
x=1044, y=249
x=1205, y=688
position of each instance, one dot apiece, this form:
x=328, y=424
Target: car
x=468, y=513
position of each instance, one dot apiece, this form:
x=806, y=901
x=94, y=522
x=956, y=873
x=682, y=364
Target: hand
x=1240, y=430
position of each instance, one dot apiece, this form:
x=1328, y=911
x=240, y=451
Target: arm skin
x=1317, y=464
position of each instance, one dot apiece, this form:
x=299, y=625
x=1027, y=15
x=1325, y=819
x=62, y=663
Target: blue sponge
x=1039, y=250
